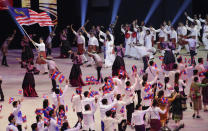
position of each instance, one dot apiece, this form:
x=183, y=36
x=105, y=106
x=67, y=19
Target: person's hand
x=186, y=22
x=157, y=72
x=199, y=15
x=14, y=32
x=116, y=17
x=73, y=110
x=186, y=14
x=67, y=81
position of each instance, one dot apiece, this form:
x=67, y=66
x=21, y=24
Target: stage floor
x=12, y=82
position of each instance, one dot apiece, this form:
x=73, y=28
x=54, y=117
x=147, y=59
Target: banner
x=4, y=4
x=49, y=6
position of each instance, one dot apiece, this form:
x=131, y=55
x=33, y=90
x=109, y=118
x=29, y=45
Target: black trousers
x=53, y=84
x=138, y=92
x=139, y=127
x=99, y=74
x=48, y=51
x=120, y=127
x=19, y=127
x=145, y=61
x=79, y=115
x=4, y=60
x=1, y=93
x=130, y=110
x=193, y=53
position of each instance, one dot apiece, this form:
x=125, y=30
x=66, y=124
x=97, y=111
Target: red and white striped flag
x=43, y=19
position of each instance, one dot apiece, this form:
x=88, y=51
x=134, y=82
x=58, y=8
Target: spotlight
x=116, y=5
x=181, y=10
x=83, y=11
x=152, y=9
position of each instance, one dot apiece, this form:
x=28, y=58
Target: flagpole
x=28, y=36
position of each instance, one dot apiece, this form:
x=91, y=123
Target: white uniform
x=11, y=127
x=88, y=119
x=110, y=57
x=76, y=103
x=41, y=48
x=53, y=126
x=205, y=36
x=127, y=42
x=81, y=40
x=182, y=30
x=61, y=98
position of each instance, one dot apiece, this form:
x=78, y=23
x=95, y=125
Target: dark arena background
x=99, y=12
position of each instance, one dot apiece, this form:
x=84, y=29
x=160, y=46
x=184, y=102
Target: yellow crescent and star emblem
x=19, y=12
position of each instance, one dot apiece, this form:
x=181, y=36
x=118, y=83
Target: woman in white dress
x=110, y=55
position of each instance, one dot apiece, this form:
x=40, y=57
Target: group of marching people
x=145, y=99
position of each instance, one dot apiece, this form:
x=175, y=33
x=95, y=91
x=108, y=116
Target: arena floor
x=12, y=82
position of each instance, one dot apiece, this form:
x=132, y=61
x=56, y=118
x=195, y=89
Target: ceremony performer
x=80, y=43
x=39, y=61
x=4, y=48
x=75, y=77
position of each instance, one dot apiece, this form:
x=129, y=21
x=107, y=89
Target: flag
x=122, y=109
x=113, y=109
x=55, y=75
x=149, y=96
x=46, y=120
x=164, y=100
x=155, y=65
x=121, y=72
x=11, y=99
x=93, y=93
x=45, y=96
x=160, y=85
x=25, y=16
x=88, y=80
x=185, y=60
x=147, y=87
x=161, y=58
x=128, y=88
x=20, y=92
x=184, y=72
x=1, y=106
x=54, y=107
x=134, y=68
x=59, y=121
x=202, y=74
x=24, y=119
x=79, y=90
x=61, y=78
x=38, y=111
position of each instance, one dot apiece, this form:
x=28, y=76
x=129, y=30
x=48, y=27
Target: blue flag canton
x=20, y=12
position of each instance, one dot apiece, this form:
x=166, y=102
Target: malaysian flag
x=25, y=16
x=61, y=78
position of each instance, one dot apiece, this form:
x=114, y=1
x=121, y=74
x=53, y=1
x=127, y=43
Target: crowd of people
x=145, y=99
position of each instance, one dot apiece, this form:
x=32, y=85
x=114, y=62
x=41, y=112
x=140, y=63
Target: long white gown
x=110, y=56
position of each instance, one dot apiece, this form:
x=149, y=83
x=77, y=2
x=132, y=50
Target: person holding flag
x=52, y=68
x=41, y=53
